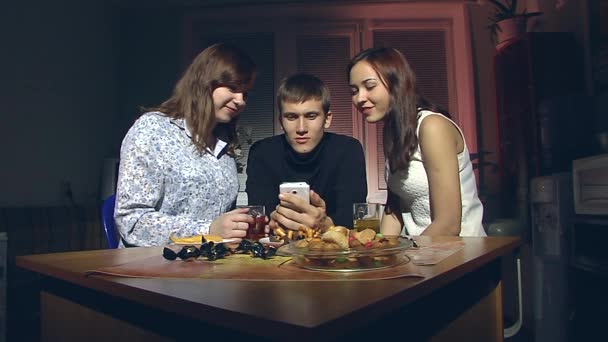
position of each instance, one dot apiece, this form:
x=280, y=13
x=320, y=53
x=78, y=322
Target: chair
x=107, y=220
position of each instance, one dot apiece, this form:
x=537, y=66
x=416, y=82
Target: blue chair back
x=107, y=220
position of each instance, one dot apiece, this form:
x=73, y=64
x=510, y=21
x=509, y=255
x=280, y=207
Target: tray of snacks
x=343, y=250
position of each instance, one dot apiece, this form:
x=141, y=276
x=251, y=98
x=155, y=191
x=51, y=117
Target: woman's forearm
x=390, y=225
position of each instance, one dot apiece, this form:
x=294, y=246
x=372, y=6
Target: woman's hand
x=233, y=224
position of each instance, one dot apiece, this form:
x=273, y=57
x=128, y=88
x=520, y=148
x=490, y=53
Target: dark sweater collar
x=308, y=159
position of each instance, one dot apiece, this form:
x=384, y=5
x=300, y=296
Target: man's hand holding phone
x=296, y=210
x=299, y=189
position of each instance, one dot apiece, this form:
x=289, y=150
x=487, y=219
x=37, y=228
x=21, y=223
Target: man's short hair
x=302, y=87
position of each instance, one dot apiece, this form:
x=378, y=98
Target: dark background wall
x=150, y=44
x=73, y=75
x=58, y=99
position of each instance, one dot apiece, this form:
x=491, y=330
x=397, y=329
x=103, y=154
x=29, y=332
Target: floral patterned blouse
x=165, y=186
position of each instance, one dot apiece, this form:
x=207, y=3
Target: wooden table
x=459, y=300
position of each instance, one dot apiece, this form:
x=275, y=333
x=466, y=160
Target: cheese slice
x=195, y=239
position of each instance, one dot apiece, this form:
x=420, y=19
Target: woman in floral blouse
x=177, y=169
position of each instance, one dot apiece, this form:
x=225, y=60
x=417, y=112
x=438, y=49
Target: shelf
x=590, y=265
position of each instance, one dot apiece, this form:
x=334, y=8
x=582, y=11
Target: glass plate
x=353, y=259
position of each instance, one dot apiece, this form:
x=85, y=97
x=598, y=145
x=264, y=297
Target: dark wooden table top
x=270, y=305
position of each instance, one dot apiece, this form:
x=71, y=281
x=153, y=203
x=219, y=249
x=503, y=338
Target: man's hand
x=293, y=212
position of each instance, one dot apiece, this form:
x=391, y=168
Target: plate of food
x=198, y=239
x=343, y=250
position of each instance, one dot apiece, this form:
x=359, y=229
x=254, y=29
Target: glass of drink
x=366, y=215
x=256, y=229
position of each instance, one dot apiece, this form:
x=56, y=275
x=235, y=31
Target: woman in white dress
x=432, y=189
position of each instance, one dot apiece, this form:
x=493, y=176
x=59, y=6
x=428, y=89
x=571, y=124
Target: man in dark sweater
x=332, y=164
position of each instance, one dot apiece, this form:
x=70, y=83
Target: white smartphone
x=300, y=189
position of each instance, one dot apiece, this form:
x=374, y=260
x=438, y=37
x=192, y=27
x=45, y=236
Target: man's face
x=304, y=124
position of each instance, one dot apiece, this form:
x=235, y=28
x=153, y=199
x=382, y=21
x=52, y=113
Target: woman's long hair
x=399, y=135
x=219, y=65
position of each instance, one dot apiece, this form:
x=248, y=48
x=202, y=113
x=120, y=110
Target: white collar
x=219, y=144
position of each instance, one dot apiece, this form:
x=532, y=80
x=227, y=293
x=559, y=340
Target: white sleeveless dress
x=413, y=189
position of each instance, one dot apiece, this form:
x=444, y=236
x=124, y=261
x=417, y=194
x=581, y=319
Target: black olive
x=271, y=251
x=212, y=255
x=221, y=250
x=169, y=254
x=244, y=246
x=206, y=248
x=189, y=253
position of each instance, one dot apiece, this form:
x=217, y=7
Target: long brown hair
x=399, y=135
x=218, y=65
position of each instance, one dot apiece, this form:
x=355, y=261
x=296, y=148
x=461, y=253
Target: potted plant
x=507, y=23
x=244, y=136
